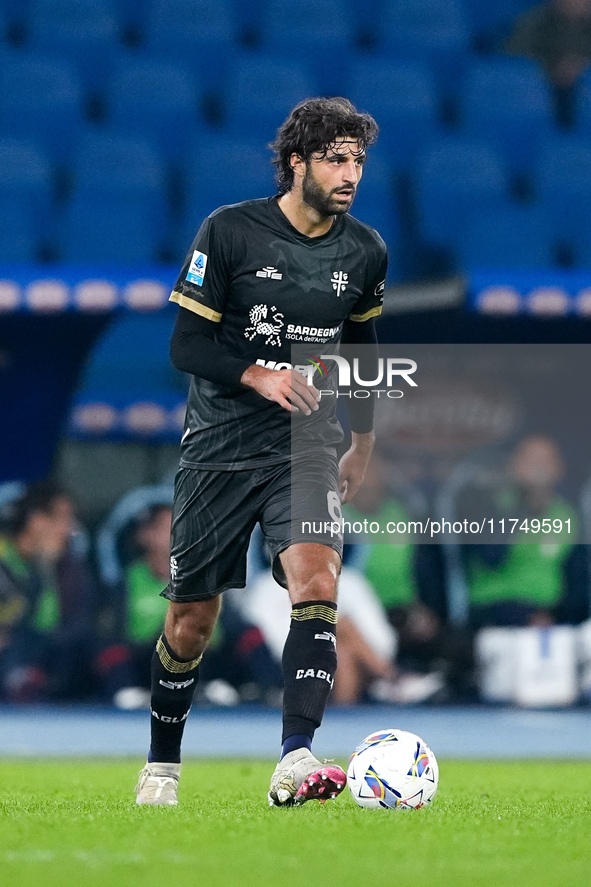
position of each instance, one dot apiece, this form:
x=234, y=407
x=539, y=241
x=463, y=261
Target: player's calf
x=173, y=685
x=309, y=665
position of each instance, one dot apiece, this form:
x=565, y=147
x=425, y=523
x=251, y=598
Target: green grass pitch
x=498, y=824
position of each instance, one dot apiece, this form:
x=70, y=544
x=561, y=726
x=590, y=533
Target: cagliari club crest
x=339, y=281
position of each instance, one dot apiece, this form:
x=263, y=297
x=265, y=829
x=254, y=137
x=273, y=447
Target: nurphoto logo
x=389, y=370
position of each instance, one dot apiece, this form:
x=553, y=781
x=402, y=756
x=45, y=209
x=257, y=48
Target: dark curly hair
x=313, y=126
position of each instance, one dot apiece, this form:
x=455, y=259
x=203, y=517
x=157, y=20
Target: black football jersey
x=269, y=288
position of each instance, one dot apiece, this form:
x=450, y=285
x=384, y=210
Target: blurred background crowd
x=123, y=123
x=80, y=612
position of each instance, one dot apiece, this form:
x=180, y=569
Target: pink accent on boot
x=322, y=785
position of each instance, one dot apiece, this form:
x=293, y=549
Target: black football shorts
x=215, y=513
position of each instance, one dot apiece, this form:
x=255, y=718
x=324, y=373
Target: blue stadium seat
x=509, y=103
x=118, y=210
x=200, y=33
x=131, y=15
x=379, y=173
x=507, y=235
x=133, y=355
x=107, y=229
x=156, y=99
x=382, y=214
x=18, y=241
x=493, y=21
x=454, y=177
x=376, y=204
x=222, y=171
x=261, y=91
x=187, y=25
x=14, y=11
x=434, y=31
x=403, y=99
x=366, y=16
x=580, y=246
x=325, y=25
x=233, y=168
x=375, y=201
x=26, y=196
x=85, y=31
x=562, y=180
x=26, y=174
x=317, y=33
x=117, y=163
x=41, y=101
x=583, y=107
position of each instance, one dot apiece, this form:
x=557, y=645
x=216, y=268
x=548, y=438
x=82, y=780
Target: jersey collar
x=286, y=226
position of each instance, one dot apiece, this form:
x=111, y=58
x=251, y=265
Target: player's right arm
x=193, y=349
x=201, y=292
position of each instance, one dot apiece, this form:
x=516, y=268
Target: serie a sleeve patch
x=196, y=271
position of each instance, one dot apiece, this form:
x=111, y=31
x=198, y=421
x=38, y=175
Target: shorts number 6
x=333, y=502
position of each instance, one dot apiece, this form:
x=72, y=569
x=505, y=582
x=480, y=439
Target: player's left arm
x=359, y=329
x=353, y=464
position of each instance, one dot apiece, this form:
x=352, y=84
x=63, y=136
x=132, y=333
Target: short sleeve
x=202, y=285
x=371, y=302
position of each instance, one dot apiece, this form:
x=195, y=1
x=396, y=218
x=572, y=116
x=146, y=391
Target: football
x=393, y=769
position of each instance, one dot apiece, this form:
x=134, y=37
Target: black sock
x=309, y=664
x=173, y=684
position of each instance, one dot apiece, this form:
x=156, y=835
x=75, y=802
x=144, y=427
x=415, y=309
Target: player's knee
x=190, y=626
x=321, y=586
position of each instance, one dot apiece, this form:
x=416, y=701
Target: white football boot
x=300, y=777
x=157, y=784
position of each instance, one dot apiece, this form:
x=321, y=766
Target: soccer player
x=261, y=276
